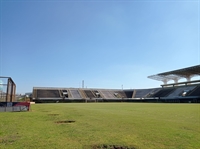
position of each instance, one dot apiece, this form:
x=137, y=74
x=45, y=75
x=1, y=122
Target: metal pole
x=11, y=95
x=82, y=83
x=7, y=91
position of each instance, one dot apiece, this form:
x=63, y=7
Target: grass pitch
x=100, y=125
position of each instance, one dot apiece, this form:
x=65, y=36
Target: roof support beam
x=176, y=75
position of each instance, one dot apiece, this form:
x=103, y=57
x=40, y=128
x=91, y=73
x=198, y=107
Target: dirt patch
x=53, y=114
x=8, y=139
x=65, y=122
x=105, y=146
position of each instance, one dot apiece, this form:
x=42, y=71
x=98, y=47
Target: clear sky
x=52, y=43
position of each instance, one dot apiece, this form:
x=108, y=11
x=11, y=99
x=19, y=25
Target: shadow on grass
x=105, y=146
x=65, y=122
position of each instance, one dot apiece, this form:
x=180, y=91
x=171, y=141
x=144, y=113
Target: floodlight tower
x=82, y=83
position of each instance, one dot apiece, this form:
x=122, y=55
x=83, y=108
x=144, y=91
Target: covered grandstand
x=176, y=75
x=188, y=91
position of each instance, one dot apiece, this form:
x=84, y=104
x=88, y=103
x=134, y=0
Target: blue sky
x=105, y=43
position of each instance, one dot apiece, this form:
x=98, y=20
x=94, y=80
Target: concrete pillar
x=188, y=78
x=165, y=81
x=176, y=80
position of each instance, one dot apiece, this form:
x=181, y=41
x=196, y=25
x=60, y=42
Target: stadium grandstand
x=177, y=92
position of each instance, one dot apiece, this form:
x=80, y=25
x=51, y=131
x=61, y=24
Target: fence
x=14, y=106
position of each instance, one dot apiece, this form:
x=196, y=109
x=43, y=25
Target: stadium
x=162, y=117
x=177, y=92
x=139, y=63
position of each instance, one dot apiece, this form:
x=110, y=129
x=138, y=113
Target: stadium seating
x=179, y=90
x=47, y=93
x=129, y=93
x=107, y=94
x=184, y=93
x=120, y=94
x=97, y=94
x=89, y=94
x=164, y=92
x=140, y=93
x=195, y=92
x=75, y=94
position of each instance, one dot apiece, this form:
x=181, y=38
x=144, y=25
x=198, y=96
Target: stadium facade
x=177, y=92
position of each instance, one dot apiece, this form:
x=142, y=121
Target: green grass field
x=134, y=125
